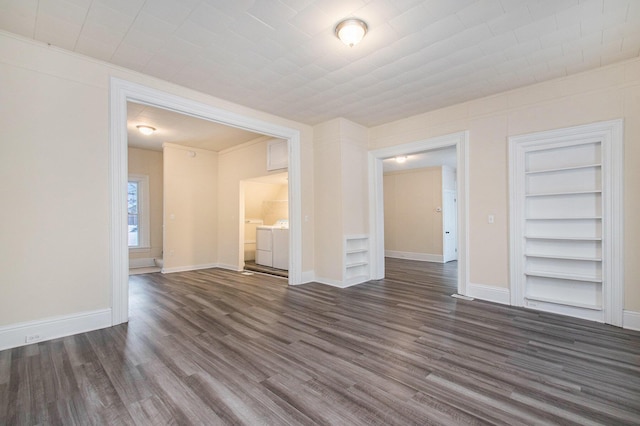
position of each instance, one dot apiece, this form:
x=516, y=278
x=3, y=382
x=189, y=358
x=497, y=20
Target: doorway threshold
x=254, y=267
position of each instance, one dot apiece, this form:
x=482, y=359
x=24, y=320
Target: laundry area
x=266, y=224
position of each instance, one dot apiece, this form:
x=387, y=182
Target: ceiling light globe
x=146, y=130
x=351, y=31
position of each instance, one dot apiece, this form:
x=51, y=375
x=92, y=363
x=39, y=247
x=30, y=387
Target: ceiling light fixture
x=351, y=31
x=401, y=159
x=146, y=130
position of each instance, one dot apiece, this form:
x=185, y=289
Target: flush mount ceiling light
x=401, y=159
x=146, y=130
x=351, y=31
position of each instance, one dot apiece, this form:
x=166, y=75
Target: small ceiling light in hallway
x=146, y=130
x=351, y=31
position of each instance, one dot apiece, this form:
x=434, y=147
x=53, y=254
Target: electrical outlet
x=32, y=338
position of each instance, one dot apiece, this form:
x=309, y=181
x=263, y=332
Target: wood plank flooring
x=218, y=347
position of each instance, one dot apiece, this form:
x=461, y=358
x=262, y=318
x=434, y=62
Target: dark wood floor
x=252, y=266
x=218, y=347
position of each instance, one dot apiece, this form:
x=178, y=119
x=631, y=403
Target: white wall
x=190, y=208
x=54, y=255
x=340, y=159
x=54, y=171
x=54, y=128
x=256, y=194
x=412, y=224
x=603, y=94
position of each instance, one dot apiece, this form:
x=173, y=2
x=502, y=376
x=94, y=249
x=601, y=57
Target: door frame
x=123, y=91
x=376, y=202
x=447, y=193
x=611, y=135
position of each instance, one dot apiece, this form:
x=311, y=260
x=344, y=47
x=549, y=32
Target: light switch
x=491, y=219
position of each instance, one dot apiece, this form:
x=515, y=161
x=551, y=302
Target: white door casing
x=376, y=203
x=605, y=140
x=121, y=92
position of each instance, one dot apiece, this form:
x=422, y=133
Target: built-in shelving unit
x=566, y=221
x=563, y=226
x=356, y=259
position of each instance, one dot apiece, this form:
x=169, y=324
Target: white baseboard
x=424, y=257
x=339, y=284
x=196, y=267
x=491, y=294
x=307, y=277
x=147, y=262
x=15, y=335
x=631, y=320
x=234, y=268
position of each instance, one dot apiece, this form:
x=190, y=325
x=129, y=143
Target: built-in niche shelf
x=564, y=302
x=563, y=193
x=562, y=237
x=565, y=220
x=561, y=276
x=563, y=169
x=563, y=257
x=356, y=259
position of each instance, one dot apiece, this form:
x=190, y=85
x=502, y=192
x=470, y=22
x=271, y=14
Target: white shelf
x=356, y=264
x=569, y=193
x=561, y=238
x=565, y=302
x=562, y=169
x=566, y=218
x=356, y=259
x=560, y=276
x=355, y=251
x=561, y=257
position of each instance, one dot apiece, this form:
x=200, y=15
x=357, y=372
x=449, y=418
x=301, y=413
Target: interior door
x=450, y=226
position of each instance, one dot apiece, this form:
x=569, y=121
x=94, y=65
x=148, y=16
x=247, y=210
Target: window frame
x=144, y=243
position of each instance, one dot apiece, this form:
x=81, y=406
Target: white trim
x=14, y=335
x=337, y=283
x=631, y=320
x=423, y=257
x=122, y=91
x=187, y=268
x=489, y=293
x=234, y=268
x=308, y=277
x=610, y=134
x=145, y=262
x=376, y=205
x=572, y=311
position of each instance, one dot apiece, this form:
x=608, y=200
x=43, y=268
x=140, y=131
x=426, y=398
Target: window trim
x=143, y=212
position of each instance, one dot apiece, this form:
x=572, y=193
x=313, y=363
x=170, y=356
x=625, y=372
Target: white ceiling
x=181, y=129
x=281, y=56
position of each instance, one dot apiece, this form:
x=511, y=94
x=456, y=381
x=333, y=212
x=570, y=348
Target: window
x=138, y=211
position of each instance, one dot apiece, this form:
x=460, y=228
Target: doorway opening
x=121, y=92
x=457, y=239
x=264, y=234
